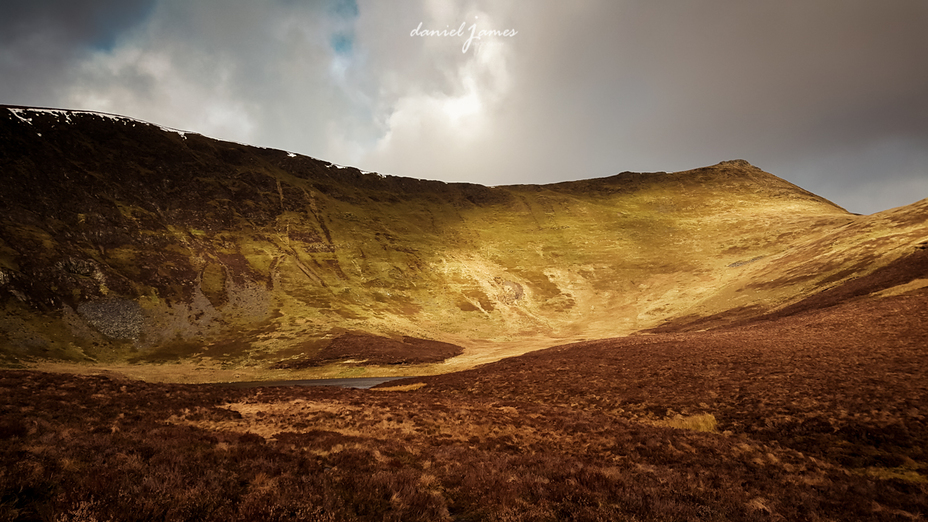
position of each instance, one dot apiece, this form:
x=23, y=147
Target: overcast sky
x=831, y=95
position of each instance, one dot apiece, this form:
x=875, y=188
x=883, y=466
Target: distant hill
x=125, y=242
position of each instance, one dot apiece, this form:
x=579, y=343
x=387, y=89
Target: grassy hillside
x=124, y=243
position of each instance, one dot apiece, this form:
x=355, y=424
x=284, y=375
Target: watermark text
x=473, y=34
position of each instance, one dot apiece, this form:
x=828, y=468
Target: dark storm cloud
x=817, y=74
x=76, y=22
x=40, y=39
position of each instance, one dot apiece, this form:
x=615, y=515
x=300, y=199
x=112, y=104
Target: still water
x=354, y=382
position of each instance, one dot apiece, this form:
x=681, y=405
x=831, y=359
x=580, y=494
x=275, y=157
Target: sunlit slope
x=125, y=241
x=873, y=256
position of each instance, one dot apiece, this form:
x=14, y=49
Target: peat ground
x=816, y=416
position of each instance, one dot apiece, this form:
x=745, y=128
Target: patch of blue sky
x=342, y=43
x=343, y=14
x=344, y=8
x=107, y=23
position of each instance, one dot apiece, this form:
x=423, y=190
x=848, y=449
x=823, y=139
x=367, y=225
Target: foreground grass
x=94, y=448
x=814, y=417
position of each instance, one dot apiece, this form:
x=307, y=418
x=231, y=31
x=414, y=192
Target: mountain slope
x=124, y=241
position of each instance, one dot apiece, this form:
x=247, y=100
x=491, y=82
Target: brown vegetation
x=374, y=349
x=816, y=416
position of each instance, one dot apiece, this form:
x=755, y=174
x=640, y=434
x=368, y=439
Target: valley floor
x=821, y=415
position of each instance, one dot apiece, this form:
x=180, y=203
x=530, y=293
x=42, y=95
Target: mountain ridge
x=126, y=241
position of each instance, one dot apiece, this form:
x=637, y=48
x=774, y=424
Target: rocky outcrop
x=114, y=318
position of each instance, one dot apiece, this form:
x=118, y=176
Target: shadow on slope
x=360, y=348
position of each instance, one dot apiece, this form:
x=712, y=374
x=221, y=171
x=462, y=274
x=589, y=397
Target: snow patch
x=337, y=166
x=291, y=155
x=17, y=113
x=24, y=115
x=183, y=134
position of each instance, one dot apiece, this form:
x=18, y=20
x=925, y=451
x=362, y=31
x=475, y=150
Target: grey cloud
x=666, y=86
x=240, y=70
x=41, y=40
x=78, y=22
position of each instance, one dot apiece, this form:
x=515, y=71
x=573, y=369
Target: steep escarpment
x=123, y=241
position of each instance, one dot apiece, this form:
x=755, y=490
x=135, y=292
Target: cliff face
x=121, y=240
